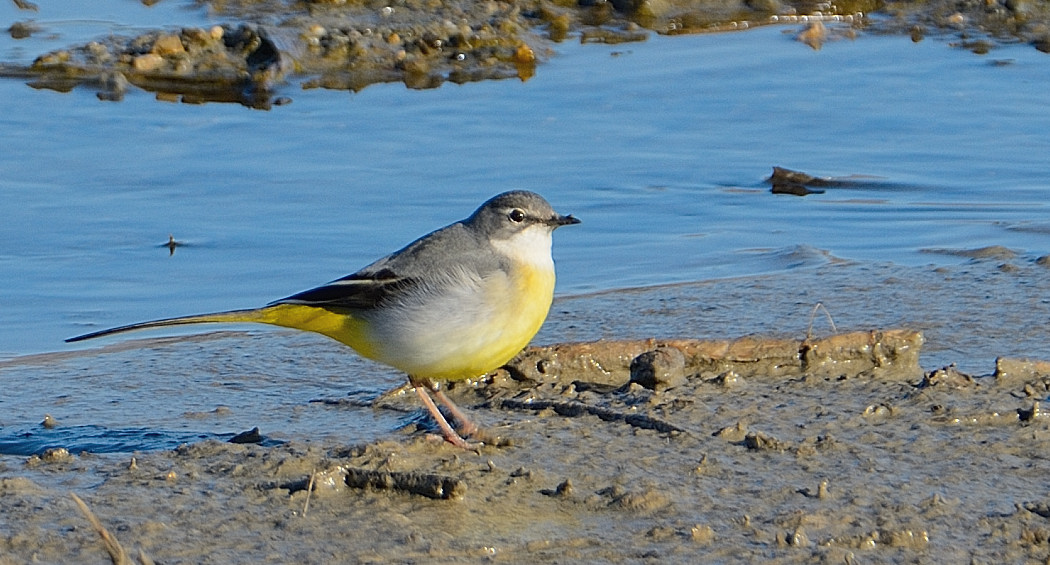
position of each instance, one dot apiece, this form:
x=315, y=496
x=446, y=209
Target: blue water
x=660, y=148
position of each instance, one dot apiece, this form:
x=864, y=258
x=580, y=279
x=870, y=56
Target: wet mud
x=348, y=45
x=837, y=447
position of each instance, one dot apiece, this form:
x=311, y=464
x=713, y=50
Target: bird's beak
x=559, y=220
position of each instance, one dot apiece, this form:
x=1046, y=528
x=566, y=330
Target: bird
x=454, y=304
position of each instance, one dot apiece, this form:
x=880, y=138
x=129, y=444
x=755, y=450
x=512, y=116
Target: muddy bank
x=837, y=465
x=732, y=450
x=349, y=45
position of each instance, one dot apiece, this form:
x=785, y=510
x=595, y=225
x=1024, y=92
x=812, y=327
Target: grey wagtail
x=454, y=304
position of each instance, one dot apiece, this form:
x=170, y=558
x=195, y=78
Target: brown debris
x=423, y=484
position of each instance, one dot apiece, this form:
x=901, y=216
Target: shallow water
x=660, y=148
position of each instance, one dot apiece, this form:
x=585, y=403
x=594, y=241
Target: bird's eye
x=517, y=216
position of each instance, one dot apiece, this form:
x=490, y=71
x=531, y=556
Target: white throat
x=531, y=246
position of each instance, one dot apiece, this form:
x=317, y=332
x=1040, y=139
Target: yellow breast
x=469, y=334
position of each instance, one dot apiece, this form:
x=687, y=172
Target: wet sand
x=827, y=462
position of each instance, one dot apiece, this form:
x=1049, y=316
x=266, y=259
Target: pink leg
x=446, y=430
x=466, y=426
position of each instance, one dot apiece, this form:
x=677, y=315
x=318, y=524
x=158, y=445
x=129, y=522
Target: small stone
x=877, y=411
x=148, y=62
x=195, y=37
x=734, y=433
x=56, y=58
x=524, y=55
x=49, y=422
x=949, y=376
x=729, y=379
x=758, y=441
x=659, y=369
x=798, y=538
x=660, y=533
x=1028, y=415
x=22, y=30
x=415, y=64
x=249, y=436
x=702, y=533
x=216, y=32
x=97, y=53
x=564, y=489
x=55, y=455
x=168, y=45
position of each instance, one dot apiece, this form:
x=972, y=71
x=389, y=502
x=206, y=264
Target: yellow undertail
x=338, y=326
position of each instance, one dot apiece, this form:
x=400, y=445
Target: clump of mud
x=344, y=44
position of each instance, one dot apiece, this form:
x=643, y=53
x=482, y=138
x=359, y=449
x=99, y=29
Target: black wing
x=359, y=291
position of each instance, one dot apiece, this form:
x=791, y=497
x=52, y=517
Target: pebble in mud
x=659, y=369
x=646, y=500
x=563, y=490
x=949, y=376
x=168, y=45
x=146, y=63
x=729, y=380
x=734, y=433
x=702, y=534
x=758, y=441
x=821, y=492
x=795, y=538
x=53, y=455
x=1030, y=414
